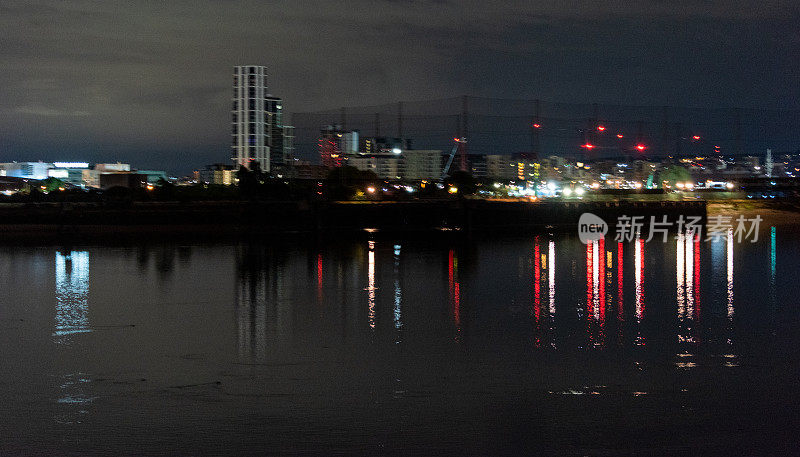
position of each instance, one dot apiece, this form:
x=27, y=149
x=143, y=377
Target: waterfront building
x=218, y=173
x=69, y=172
x=154, y=176
x=422, y=164
x=258, y=133
x=30, y=170
x=334, y=143
x=501, y=167
x=112, y=167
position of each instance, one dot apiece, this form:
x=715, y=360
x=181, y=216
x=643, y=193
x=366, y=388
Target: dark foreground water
x=535, y=345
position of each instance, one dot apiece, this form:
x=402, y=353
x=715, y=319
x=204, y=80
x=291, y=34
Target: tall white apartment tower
x=252, y=123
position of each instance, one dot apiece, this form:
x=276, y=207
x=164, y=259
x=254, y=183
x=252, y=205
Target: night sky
x=149, y=82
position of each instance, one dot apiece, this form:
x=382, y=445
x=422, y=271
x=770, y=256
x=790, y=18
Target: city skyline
x=149, y=83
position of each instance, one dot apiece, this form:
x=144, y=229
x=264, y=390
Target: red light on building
x=601, y=128
x=641, y=147
x=696, y=137
x=536, y=126
x=619, y=135
x=587, y=145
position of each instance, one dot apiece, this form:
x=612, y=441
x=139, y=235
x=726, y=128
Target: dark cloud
x=148, y=81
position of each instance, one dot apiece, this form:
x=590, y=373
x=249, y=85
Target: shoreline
x=213, y=222
x=251, y=219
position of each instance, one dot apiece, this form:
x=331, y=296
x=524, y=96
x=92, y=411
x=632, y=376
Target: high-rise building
x=334, y=144
x=258, y=133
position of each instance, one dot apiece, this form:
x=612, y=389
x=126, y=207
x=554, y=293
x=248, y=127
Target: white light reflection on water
x=638, y=262
x=371, y=285
x=680, y=274
x=72, y=293
x=685, y=256
x=72, y=317
x=689, y=243
x=729, y=259
x=398, y=293
x=730, y=356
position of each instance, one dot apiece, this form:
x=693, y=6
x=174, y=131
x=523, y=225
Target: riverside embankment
x=242, y=217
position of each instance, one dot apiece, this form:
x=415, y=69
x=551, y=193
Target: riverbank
x=242, y=218
x=772, y=212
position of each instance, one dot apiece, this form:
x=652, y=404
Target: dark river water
x=512, y=346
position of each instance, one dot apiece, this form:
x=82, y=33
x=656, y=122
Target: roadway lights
x=397, y=150
x=580, y=191
x=371, y=189
x=453, y=190
x=567, y=192
x=729, y=185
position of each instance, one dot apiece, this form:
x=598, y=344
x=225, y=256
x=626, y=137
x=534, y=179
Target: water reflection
x=685, y=268
x=638, y=275
x=595, y=291
x=398, y=292
x=72, y=293
x=263, y=300
x=71, y=318
x=454, y=288
x=371, y=285
x=344, y=283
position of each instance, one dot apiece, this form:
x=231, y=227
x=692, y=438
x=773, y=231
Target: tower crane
x=459, y=142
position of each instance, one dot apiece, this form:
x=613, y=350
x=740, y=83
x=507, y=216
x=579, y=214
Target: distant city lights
x=71, y=164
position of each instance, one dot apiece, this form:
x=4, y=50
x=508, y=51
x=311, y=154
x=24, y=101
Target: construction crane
x=459, y=142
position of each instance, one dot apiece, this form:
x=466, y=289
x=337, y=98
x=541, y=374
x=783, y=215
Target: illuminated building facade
x=258, y=133
x=334, y=143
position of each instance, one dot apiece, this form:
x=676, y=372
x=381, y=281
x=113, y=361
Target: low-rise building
x=30, y=170
x=219, y=174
